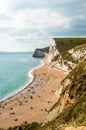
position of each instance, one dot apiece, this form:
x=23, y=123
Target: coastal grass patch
x=64, y=44
x=53, y=125
x=36, y=126
x=74, y=114
x=32, y=126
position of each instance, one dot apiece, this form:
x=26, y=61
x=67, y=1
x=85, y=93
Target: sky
x=29, y=24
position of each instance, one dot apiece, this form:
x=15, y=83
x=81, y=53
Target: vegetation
x=75, y=113
x=46, y=49
x=67, y=58
x=26, y=126
x=64, y=44
x=36, y=126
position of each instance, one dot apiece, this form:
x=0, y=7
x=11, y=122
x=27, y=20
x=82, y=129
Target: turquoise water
x=14, y=68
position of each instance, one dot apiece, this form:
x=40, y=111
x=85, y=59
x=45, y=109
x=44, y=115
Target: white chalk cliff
x=67, y=60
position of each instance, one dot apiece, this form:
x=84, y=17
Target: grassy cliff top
x=64, y=44
x=46, y=49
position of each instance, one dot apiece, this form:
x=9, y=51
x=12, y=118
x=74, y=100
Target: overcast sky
x=29, y=24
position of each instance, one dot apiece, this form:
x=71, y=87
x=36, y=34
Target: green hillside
x=75, y=107
x=76, y=113
x=64, y=44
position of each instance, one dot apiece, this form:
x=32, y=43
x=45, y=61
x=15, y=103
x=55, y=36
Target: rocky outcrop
x=41, y=52
x=53, y=52
x=38, y=53
x=66, y=60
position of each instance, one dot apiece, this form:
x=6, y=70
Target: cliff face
x=38, y=53
x=70, y=108
x=53, y=51
x=67, y=59
x=41, y=52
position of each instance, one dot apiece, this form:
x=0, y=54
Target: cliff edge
x=41, y=52
x=65, y=53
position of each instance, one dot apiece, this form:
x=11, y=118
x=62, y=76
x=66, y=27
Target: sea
x=15, y=71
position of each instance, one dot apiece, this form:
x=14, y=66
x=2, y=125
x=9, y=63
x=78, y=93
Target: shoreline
x=35, y=99
x=31, y=76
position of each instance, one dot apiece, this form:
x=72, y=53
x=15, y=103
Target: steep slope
x=71, y=107
x=60, y=45
x=66, y=60
x=75, y=103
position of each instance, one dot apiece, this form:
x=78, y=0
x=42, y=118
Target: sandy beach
x=33, y=103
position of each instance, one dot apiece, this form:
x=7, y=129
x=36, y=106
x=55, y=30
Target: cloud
x=31, y=23
x=34, y=18
x=7, y=43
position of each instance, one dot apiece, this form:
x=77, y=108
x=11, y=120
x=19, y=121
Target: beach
x=33, y=103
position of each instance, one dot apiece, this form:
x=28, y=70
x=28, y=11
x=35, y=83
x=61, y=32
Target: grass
x=35, y=126
x=74, y=113
x=67, y=58
x=46, y=49
x=64, y=44
x=32, y=126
